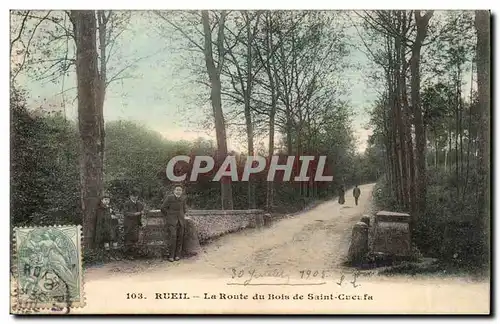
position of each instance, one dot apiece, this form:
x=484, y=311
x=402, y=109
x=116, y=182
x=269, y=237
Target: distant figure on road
x=341, y=194
x=174, y=210
x=356, y=193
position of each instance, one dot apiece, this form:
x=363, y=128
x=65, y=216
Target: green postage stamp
x=49, y=267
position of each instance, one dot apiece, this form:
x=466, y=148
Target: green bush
x=44, y=168
x=448, y=229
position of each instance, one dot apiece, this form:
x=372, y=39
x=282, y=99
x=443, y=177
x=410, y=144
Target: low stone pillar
x=267, y=219
x=259, y=220
x=359, y=243
x=256, y=220
x=191, y=243
x=365, y=219
x=155, y=232
x=392, y=234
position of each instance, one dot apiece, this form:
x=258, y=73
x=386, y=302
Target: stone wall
x=210, y=224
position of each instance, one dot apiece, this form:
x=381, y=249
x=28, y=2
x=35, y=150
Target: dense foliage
x=442, y=183
x=44, y=167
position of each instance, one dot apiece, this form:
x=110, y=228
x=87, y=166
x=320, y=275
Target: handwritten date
x=307, y=274
x=280, y=276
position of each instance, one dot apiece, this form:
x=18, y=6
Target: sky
x=162, y=94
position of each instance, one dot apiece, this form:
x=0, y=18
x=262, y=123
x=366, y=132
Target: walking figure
x=341, y=194
x=174, y=209
x=356, y=193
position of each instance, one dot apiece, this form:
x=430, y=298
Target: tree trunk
x=89, y=117
x=270, y=184
x=102, y=77
x=395, y=159
x=400, y=84
x=482, y=24
x=445, y=158
x=460, y=128
x=457, y=131
x=251, y=182
x=289, y=145
x=450, y=133
x=437, y=153
x=390, y=169
x=215, y=95
x=248, y=114
x=272, y=116
x=392, y=103
x=469, y=132
x=409, y=149
x=422, y=23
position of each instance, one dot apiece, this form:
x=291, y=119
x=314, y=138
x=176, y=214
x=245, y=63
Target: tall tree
x=53, y=34
x=214, y=54
x=267, y=58
x=243, y=77
x=482, y=24
x=214, y=74
x=422, y=23
x=89, y=117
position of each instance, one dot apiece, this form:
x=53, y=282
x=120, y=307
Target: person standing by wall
x=356, y=192
x=104, y=231
x=174, y=209
x=132, y=213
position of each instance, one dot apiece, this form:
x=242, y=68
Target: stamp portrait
x=49, y=266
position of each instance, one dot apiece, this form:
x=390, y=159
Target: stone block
x=387, y=216
x=365, y=219
x=191, y=243
x=392, y=234
x=268, y=219
x=359, y=243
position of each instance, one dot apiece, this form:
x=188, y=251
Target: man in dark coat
x=174, y=209
x=105, y=231
x=356, y=192
x=133, y=211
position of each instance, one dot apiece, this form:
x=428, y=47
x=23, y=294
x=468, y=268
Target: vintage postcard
x=250, y=162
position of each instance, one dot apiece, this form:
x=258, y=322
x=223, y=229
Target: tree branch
x=21, y=66
x=21, y=29
x=180, y=30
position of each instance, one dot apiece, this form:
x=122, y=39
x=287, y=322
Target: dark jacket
x=131, y=207
x=104, y=229
x=356, y=192
x=132, y=210
x=174, y=210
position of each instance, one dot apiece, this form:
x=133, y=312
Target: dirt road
x=297, y=255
